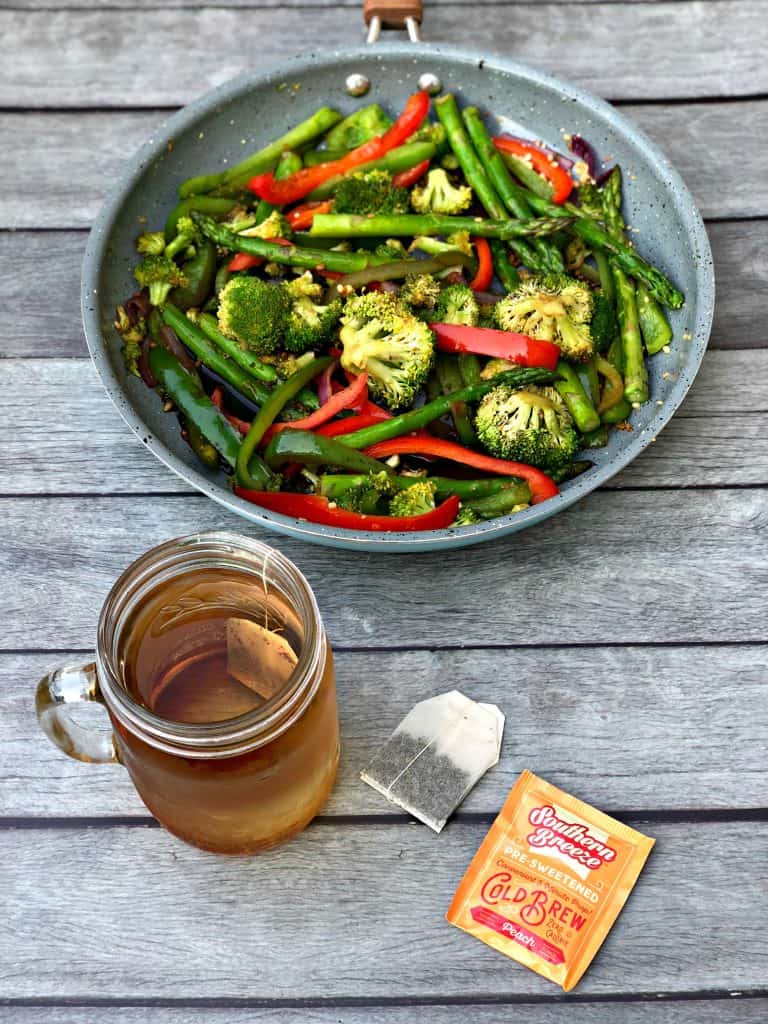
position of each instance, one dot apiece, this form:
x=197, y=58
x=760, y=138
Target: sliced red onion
x=488, y=298
x=582, y=150
x=137, y=306
x=175, y=347
x=324, y=390
x=143, y=365
x=603, y=177
x=390, y=286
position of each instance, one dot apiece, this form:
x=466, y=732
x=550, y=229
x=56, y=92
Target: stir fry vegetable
x=354, y=318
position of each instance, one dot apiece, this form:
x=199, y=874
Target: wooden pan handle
x=393, y=13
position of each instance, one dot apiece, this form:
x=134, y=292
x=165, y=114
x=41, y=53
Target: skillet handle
x=399, y=14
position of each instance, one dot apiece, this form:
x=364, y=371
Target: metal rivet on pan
x=430, y=83
x=357, y=84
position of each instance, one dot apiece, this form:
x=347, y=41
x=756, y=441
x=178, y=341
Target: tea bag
x=442, y=747
x=257, y=657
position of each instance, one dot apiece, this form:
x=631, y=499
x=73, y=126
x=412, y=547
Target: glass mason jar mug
x=217, y=676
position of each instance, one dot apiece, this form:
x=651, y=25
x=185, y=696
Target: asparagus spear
x=349, y=225
x=237, y=177
x=450, y=378
x=576, y=398
x=291, y=255
x=654, y=326
x=635, y=370
x=475, y=173
x=502, y=181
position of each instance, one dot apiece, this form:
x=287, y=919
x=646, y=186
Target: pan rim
x=187, y=116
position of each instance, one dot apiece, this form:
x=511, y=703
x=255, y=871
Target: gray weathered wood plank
x=344, y=912
x=695, y=1011
x=569, y=714
x=66, y=431
x=54, y=328
x=628, y=567
x=77, y=156
x=114, y=58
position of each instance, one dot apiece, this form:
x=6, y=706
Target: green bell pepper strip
x=617, y=413
x=322, y=156
x=571, y=471
x=447, y=369
x=209, y=205
x=576, y=398
x=266, y=158
x=200, y=271
x=469, y=368
x=418, y=418
x=191, y=335
x=202, y=448
x=334, y=485
x=501, y=503
x=400, y=159
x=315, y=450
x=209, y=325
x=187, y=395
x=250, y=468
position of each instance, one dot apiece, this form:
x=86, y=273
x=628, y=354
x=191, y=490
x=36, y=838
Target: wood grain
x=198, y=45
x=77, y=156
x=621, y=726
x=66, y=431
x=53, y=328
x=688, y=567
x=281, y=925
x=695, y=1011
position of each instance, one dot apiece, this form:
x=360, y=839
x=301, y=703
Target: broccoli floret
x=466, y=517
x=382, y=337
x=457, y=242
x=187, y=233
x=159, y=274
x=151, y=243
x=310, y=324
x=487, y=316
x=438, y=195
x=287, y=364
x=434, y=132
x=531, y=425
x=392, y=249
x=367, y=495
x=603, y=325
x=421, y=291
x=458, y=305
x=494, y=367
x=414, y=500
x=369, y=192
x=554, y=308
x=356, y=129
x=274, y=226
x=132, y=333
x=254, y=313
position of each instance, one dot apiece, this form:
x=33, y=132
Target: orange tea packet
x=549, y=880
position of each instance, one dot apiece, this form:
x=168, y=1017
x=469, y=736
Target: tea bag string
x=450, y=735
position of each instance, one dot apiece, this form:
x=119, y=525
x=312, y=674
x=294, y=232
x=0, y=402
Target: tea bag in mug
x=442, y=747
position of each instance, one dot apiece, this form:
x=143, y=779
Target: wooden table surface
x=625, y=639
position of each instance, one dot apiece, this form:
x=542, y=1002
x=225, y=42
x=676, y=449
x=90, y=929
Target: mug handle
x=56, y=695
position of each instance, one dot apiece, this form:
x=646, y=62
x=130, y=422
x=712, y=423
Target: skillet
x=259, y=106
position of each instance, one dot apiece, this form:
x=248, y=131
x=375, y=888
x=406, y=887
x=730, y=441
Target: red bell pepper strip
x=301, y=183
x=300, y=217
x=542, y=163
x=317, y=509
x=347, y=426
x=243, y=261
x=243, y=426
x=485, y=341
x=542, y=487
x=345, y=399
x=481, y=282
x=407, y=178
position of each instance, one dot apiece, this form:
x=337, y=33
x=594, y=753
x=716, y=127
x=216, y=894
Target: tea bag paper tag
x=442, y=747
x=257, y=657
